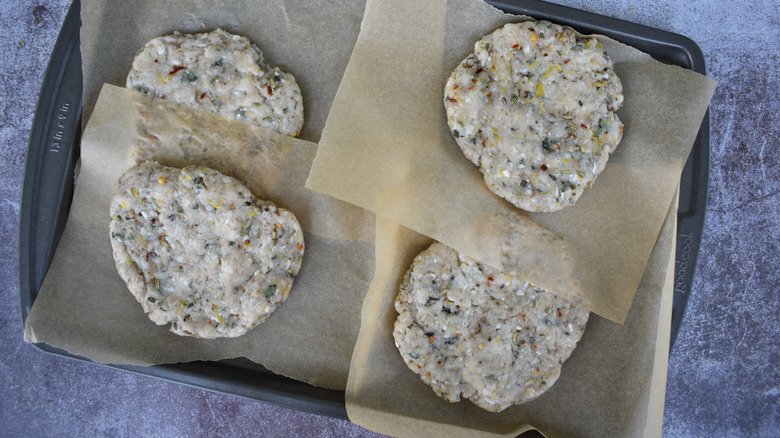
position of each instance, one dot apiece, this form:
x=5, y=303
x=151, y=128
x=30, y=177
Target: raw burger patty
x=472, y=331
x=220, y=72
x=534, y=107
x=198, y=251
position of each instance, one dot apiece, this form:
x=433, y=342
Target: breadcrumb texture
x=199, y=252
x=534, y=107
x=220, y=72
x=471, y=331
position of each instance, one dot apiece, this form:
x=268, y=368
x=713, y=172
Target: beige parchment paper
x=85, y=308
x=612, y=385
x=387, y=129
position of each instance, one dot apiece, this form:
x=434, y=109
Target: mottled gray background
x=723, y=373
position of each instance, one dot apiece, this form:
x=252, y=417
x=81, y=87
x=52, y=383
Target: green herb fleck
x=190, y=76
x=431, y=300
x=602, y=127
x=270, y=291
x=450, y=341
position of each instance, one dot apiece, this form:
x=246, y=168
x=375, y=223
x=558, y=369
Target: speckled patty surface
x=469, y=330
x=199, y=252
x=534, y=107
x=220, y=72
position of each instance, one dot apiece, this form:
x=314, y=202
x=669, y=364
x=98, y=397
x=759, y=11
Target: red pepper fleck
x=490, y=278
x=566, y=61
x=270, y=91
x=177, y=69
x=516, y=46
x=543, y=167
x=203, y=95
x=451, y=100
x=560, y=314
x=431, y=339
x=584, y=126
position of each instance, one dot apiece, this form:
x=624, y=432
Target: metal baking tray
x=53, y=153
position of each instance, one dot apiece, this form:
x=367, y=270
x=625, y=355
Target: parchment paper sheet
x=387, y=128
x=612, y=385
x=84, y=306
x=311, y=40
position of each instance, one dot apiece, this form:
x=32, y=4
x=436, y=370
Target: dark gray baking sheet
x=54, y=150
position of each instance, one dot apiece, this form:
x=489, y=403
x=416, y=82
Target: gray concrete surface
x=723, y=378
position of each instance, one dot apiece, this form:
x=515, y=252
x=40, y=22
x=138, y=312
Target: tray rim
x=228, y=376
